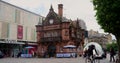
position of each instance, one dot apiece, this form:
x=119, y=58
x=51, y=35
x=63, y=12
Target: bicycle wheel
x=96, y=61
x=87, y=60
x=93, y=60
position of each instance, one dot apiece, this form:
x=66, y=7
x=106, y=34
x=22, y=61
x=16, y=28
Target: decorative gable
x=52, y=18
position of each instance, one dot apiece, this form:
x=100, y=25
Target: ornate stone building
x=102, y=39
x=56, y=31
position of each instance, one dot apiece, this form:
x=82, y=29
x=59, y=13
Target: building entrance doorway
x=51, y=50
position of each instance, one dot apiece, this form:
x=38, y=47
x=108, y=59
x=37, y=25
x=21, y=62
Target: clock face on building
x=51, y=21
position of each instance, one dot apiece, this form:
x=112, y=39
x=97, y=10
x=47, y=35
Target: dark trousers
x=112, y=58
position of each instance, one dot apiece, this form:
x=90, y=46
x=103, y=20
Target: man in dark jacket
x=112, y=54
x=90, y=50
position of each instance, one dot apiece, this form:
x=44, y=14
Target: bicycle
x=91, y=59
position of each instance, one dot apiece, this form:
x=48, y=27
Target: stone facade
x=17, y=28
x=12, y=18
x=102, y=39
x=56, y=31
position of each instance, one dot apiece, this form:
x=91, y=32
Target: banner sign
x=20, y=32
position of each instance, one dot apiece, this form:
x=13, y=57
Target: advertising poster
x=20, y=32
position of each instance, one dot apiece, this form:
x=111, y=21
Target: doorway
x=51, y=50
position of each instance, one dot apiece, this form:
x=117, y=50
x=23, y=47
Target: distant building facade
x=56, y=31
x=102, y=39
x=17, y=28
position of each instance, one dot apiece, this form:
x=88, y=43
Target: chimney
x=60, y=10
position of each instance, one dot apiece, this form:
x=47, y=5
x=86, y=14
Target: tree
x=108, y=17
x=114, y=45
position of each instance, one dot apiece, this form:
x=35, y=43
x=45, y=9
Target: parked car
x=1, y=54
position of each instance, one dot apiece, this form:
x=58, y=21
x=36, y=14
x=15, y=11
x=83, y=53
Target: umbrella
x=29, y=47
x=69, y=46
x=97, y=47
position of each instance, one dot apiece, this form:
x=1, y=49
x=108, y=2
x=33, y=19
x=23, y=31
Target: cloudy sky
x=73, y=9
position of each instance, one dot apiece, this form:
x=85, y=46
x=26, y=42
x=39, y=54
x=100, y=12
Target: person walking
x=19, y=54
x=85, y=52
x=112, y=54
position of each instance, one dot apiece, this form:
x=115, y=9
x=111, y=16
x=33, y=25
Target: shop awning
x=69, y=46
x=10, y=42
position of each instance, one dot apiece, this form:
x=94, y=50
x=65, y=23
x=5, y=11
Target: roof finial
x=51, y=8
x=77, y=19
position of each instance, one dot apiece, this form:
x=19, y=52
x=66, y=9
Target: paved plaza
x=47, y=60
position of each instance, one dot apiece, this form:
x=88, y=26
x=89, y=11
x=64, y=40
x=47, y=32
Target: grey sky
x=73, y=9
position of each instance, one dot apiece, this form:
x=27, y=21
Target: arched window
x=66, y=33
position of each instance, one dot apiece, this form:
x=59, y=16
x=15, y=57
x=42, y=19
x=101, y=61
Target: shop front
x=10, y=48
x=29, y=50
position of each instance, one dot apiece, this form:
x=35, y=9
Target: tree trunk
x=118, y=42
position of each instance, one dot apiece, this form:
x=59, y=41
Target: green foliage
x=108, y=13
x=114, y=45
x=108, y=16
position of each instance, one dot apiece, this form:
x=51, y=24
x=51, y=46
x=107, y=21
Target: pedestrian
x=112, y=54
x=85, y=52
x=45, y=54
x=19, y=54
x=104, y=55
x=33, y=53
